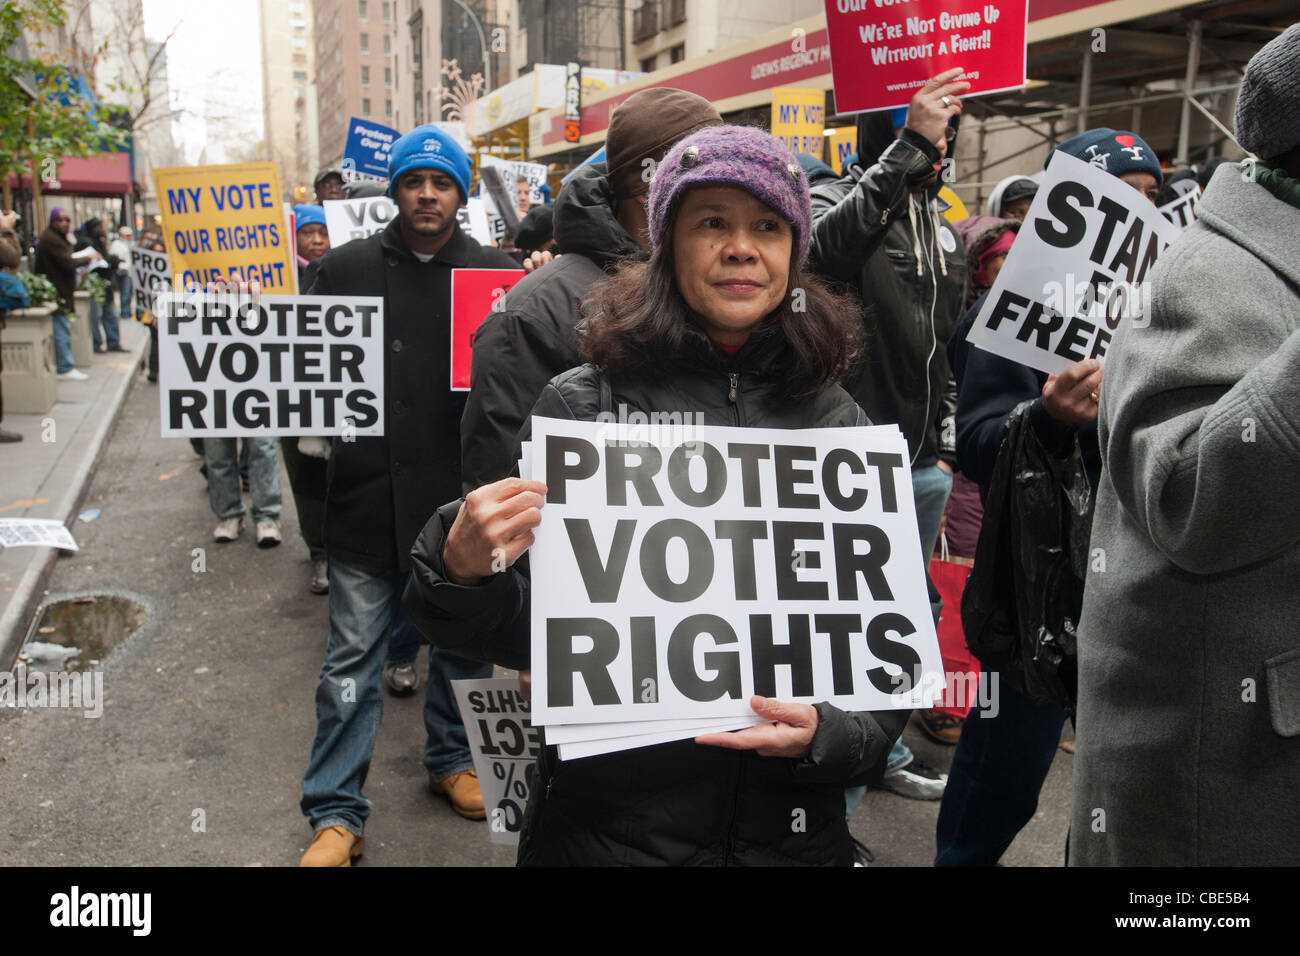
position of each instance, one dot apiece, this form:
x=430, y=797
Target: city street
x=208, y=713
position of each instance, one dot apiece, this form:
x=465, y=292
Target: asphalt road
x=209, y=707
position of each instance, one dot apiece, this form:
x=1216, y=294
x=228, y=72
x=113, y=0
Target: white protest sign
x=504, y=745
x=678, y=570
x=283, y=365
x=348, y=219
x=151, y=274
x=1182, y=211
x=473, y=221
x=1077, y=269
x=35, y=532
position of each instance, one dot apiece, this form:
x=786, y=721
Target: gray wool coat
x=1188, y=749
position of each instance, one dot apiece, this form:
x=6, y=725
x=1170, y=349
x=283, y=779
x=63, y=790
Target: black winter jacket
x=381, y=491
x=989, y=389
x=867, y=228
x=529, y=339
x=677, y=803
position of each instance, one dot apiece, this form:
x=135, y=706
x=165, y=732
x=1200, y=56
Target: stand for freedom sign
x=283, y=365
x=1076, y=270
x=679, y=570
x=882, y=51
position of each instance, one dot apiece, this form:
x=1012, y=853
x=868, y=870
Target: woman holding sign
x=722, y=322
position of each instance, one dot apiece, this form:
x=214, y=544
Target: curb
x=18, y=615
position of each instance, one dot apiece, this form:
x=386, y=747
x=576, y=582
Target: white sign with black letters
x=504, y=745
x=1078, y=268
x=680, y=569
x=283, y=365
x=151, y=274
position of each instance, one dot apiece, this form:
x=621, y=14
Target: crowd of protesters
x=671, y=293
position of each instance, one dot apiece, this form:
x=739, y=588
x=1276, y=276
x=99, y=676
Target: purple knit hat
x=741, y=156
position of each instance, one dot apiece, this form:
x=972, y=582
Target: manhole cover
x=78, y=633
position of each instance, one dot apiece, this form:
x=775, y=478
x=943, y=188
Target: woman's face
x=313, y=241
x=731, y=259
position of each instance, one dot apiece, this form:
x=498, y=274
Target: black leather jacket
x=676, y=803
x=867, y=231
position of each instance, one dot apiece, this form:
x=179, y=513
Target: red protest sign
x=474, y=293
x=882, y=51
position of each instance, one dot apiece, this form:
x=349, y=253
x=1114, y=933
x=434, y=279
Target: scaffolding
x=1171, y=77
x=589, y=32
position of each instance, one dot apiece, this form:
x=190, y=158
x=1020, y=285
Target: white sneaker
x=229, y=529
x=72, y=375
x=268, y=533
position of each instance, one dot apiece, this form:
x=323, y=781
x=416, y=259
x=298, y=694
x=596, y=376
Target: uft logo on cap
x=432, y=146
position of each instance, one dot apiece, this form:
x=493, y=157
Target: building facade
x=355, y=75
x=289, y=93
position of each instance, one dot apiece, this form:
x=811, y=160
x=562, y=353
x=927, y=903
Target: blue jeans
x=930, y=489
x=996, y=774
x=62, y=343
x=123, y=283
x=223, y=477
x=107, y=315
x=404, y=643
x=365, y=608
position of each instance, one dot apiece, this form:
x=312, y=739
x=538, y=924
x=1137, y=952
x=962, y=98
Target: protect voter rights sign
x=281, y=365
x=679, y=569
x=504, y=745
x=1078, y=268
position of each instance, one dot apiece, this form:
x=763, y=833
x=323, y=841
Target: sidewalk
x=46, y=474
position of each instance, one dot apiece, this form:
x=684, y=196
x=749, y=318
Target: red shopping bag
x=960, y=666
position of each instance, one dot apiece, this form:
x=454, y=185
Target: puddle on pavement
x=94, y=625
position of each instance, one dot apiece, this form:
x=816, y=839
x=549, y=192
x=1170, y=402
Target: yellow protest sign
x=956, y=210
x=226, y=224
x=798, y=117
x=843, y=143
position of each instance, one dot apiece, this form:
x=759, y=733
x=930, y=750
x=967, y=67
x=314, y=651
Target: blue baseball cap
x=1114, y=151
x=428, y=147
x=304, y=215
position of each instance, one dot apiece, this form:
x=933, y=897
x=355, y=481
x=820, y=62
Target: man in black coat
x=382, y=490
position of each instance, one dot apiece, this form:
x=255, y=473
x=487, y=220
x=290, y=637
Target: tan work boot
x=463, y=791
x=333, y=846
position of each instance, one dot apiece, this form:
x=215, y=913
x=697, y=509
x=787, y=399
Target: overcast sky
x=214, y=67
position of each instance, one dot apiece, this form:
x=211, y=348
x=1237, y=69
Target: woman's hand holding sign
x=492, y=529
x=790, y=736
x=1071, y=398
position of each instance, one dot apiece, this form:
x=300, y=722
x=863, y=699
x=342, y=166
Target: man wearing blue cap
x=383, y=490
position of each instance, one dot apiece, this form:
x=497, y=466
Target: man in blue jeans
x=54, y=261
x=382, y=491
x=222, y=462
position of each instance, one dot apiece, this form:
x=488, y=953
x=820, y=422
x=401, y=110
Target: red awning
x=108, y=174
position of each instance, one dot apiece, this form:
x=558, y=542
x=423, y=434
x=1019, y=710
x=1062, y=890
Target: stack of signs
x=1078, y=268
x=232, y=366
x=1182, y=211
x=883, y=51
x=348, y=219
x=151, y=274
x=504, y=746
x=365, y=154
x=679, y=569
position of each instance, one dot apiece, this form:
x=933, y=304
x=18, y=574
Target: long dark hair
x=636, y=321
